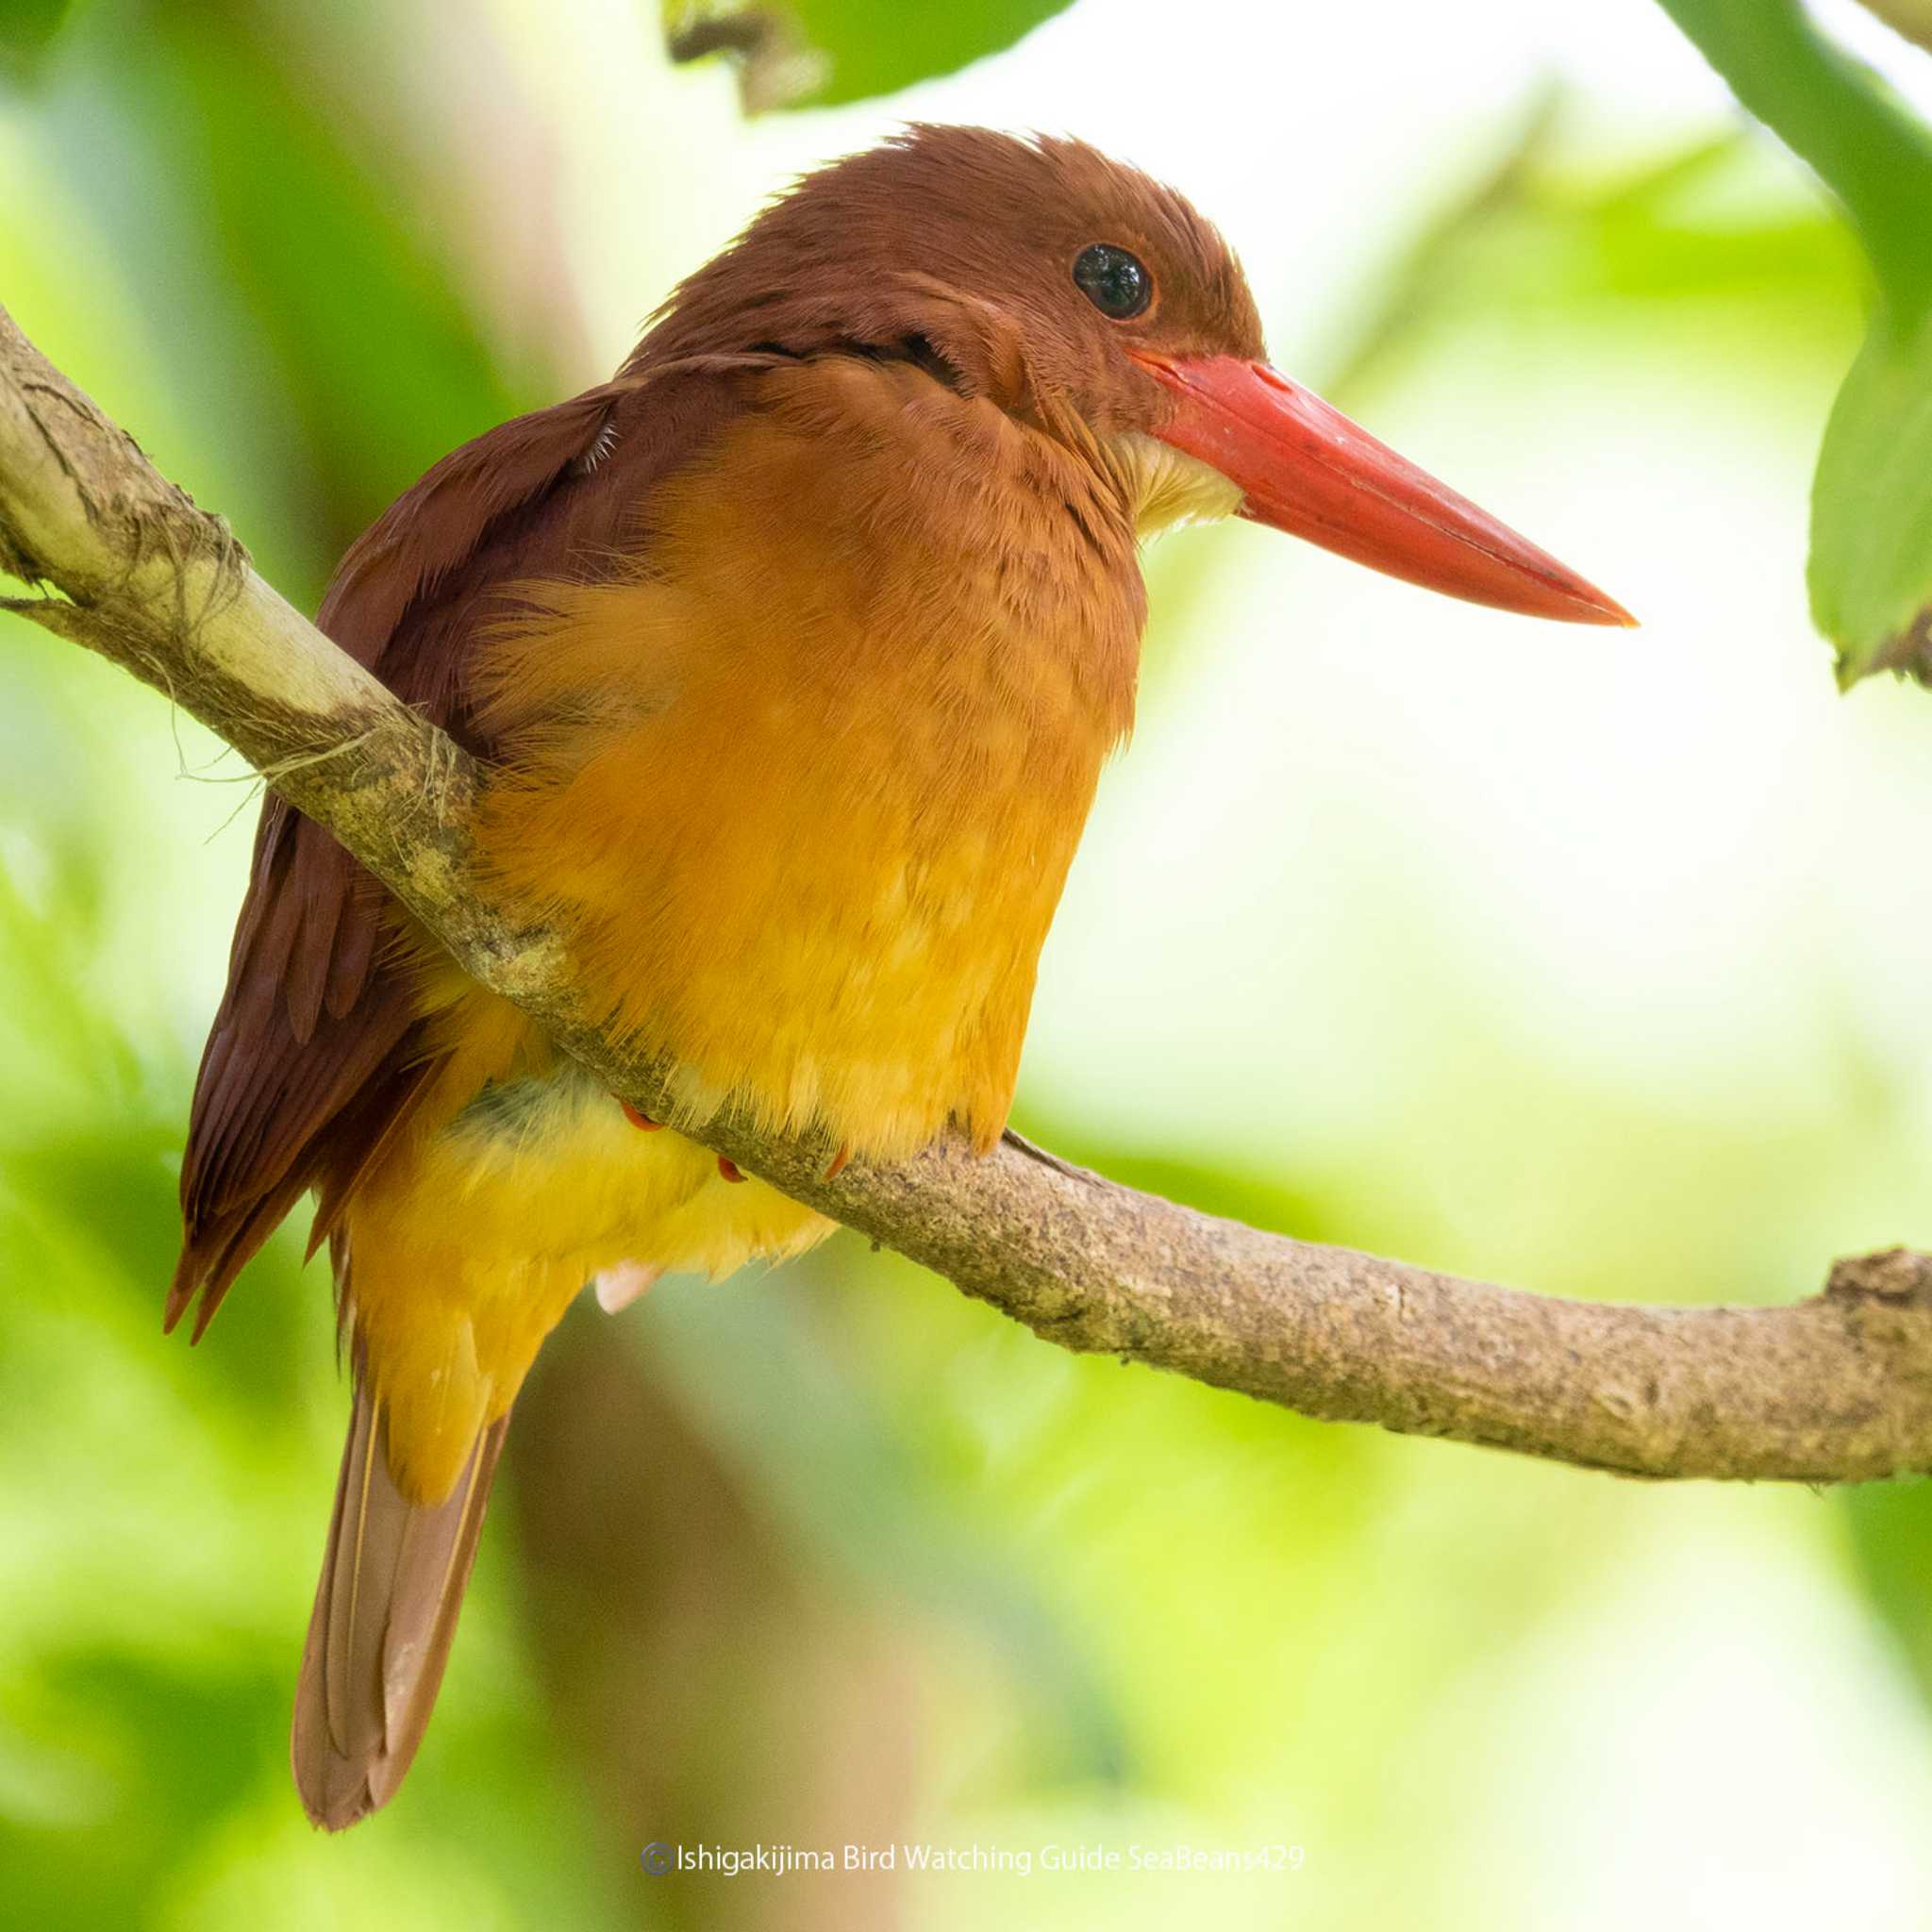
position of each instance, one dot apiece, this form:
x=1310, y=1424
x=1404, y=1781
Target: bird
x=793, y=654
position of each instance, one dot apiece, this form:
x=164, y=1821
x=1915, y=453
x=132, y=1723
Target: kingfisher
x=793, y=654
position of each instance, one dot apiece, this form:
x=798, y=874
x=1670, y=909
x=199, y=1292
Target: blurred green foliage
x=835, y=1546
x=341, y=280
x=1532, y=233
x=28, y=28
x=1890, y=1527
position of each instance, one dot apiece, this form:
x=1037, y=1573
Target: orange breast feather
x=804, y=789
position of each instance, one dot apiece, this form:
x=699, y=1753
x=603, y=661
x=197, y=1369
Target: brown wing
x=309, y=1062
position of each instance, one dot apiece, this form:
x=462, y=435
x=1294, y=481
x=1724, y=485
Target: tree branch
x=1838, y=1387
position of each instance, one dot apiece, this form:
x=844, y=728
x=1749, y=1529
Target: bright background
x=1589, y=961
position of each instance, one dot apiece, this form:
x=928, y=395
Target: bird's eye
x=1114, y=281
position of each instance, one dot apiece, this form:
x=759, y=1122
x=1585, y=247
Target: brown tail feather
x=385, y=1612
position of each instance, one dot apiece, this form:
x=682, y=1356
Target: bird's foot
x=639, y=1120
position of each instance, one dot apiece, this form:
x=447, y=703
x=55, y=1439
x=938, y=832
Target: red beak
x=1305, y=468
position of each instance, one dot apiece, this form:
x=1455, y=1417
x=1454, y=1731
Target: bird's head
x=1096, y=304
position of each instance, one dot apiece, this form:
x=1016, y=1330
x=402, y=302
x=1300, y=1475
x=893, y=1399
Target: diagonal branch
x=1834, y=1388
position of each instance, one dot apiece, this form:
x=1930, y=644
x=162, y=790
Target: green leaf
x=817, y=53
x=875, y=50
x=1870, y=569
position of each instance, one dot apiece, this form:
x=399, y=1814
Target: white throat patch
x=1167, y=487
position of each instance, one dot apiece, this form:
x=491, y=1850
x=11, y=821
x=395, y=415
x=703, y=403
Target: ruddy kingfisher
x=793, y=653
